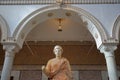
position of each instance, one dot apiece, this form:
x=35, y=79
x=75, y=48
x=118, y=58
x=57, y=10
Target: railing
x=25, y=2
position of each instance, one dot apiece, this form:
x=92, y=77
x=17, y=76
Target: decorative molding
x=9, y=40
x=95, y=33
x=26, y=2
x=111, y=41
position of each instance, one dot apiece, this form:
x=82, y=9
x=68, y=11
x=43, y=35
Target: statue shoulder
x=65, y=59
x=51, y=60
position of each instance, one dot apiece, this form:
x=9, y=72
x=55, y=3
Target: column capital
x=11, y=48
x=10, y=45
x=107, y=48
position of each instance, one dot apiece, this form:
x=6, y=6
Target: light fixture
x=59, y=2
x=60, y=27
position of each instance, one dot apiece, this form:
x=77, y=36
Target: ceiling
x=73, y=29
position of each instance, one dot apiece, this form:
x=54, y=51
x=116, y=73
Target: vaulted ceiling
x=72, y=30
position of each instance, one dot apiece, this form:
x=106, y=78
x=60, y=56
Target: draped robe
x=58, y=69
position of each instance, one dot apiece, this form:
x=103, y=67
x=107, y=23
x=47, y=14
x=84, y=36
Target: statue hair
x=59, y=47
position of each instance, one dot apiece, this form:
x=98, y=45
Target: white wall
x=14, y=14
x=105, y=13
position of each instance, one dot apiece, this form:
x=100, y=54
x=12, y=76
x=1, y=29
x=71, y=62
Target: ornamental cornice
x=9, y=40
x=27, y=2
x=111, y=41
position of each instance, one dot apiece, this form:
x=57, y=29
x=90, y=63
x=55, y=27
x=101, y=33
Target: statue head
x=58, y=50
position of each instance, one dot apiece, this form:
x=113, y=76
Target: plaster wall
x=105, y=13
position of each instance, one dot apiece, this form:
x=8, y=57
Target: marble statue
x=58, y=68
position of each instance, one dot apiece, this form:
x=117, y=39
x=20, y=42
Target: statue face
x=58, y=50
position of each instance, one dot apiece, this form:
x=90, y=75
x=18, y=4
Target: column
x=8, y=62
x=110, y=61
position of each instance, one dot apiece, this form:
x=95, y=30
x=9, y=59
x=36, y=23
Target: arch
x=4, y=29
x=93, y=25
x=116, y=29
